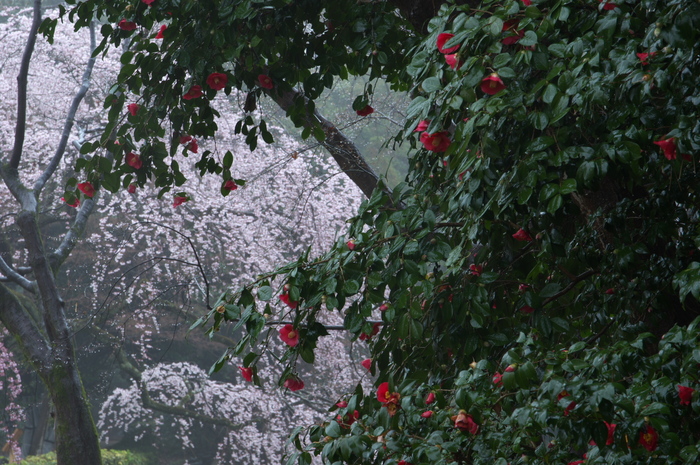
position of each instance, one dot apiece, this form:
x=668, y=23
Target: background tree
x=129, y=286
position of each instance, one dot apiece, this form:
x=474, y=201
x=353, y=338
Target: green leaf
x=550, y=290
x=656, y=408
x=265, y=293
x=555, y=204
x=432, y=84
x=567, y=186
x=529, y=39
x=549, y=93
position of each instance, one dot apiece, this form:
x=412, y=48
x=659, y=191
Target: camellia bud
x=646, y=77
x=220, y=309
x=287, y=287
x=473, y=365
x=430, y=275
x=657, y=32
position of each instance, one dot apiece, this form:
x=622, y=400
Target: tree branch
x=21, y=125
x=71, y=238
x=16, y=277
x=570, y=286
x=70, y=118
x=343, y=150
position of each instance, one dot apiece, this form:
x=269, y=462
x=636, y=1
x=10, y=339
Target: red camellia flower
x=194, y=92
x=476, y=270
x=686, y=394
x=436, y=142
x=134, y=160
x=293, y=383
x=610, y=291
x=403, y=462
x=648, y=438
x=390, y=400
x=185, y=139
x=498, y=379
x=192, y=146
x=526, y=309
x=133, y=108
x=607, y=6
x=247, y=373
x=290, y=303
x=668, y=146
x=289, y=335
x=510, y=368
x=427, y=414
x=160, y=32
x=179, y=200
x=522, y=235
x=375, y=330
x=527, y=2
x=611, y=433
x=87, y=189
x=217, y=81
x=442, y=39
x=365, y=111
x=75, y=204
x=341, y=404
x=492, y=84
x=125, y=25
x=230, y=185
x=511, y=26
x=644, y=56
x=430, y=399
x=265, y=81
x=454, y=61
x=569, y=408
x=422, y=126
x=131, y=189
x=148, y=2
x=347, y=420
x=350, y=244
x=367, y=363
x=465, y=422
x=384, y=307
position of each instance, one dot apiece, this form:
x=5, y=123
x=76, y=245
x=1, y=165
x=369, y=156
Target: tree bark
x=343, y=150
x=77, y=440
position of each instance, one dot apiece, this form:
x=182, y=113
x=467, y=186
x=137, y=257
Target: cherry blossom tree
x=150, y=255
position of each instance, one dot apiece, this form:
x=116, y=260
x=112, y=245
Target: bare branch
x=70, y=118
x=21, y=125
x=17, y=278
x=343, y=150
x=71, y=238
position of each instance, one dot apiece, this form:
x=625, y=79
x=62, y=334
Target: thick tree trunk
x=77, y=440
x=343, y=150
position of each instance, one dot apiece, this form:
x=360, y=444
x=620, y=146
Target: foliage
x=549, y=241
x=109, y=457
